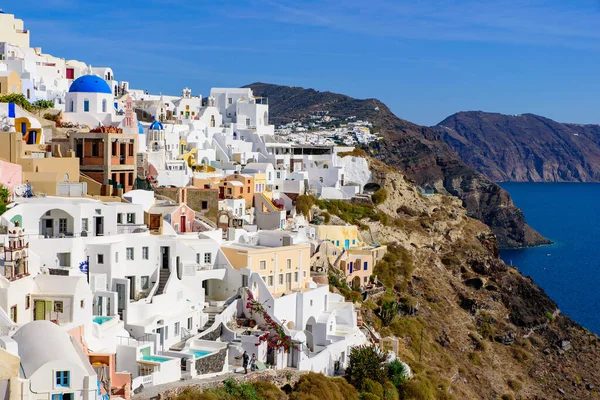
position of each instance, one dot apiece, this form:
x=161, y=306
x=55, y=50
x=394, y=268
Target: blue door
x=347, y=243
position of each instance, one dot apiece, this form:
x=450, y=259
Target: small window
x=58, y=306
x=116, y=256
x=311, y=303
x=145, y=281
x=197, y=258
x=365, y=266
x=296, y=277
x=288, y=263
x=281, y=279
x=63, y=378
x=129, y=253
x=130, y=218
x=100, y=258
x=304, y=274
x=145, y=253
x=84, y=224
x=229, y=100
x=176, y=328
x=82, y=304
x=207, y=258
x=270, y=280
x=263, y=264
x=119, y=218
x=86, y=106
x=189, y=324
x=204, y=205
x=27, y=302
x=13, y=314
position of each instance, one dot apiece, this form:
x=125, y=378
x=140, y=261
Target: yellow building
x=283, y=269
x=9, y=373
x=43, y=173
x=342, y=236
x=10, y=83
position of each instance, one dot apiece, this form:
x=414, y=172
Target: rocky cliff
x=524, y=148
x=469, y=326
x=417, y=151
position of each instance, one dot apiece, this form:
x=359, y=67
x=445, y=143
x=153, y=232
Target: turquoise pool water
x=100, y=320
x=155, y=358
x=200, y=353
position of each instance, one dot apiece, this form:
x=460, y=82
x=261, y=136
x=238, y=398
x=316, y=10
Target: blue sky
x=425, y=59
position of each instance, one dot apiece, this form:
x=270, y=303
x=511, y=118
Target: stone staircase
x=162, y=280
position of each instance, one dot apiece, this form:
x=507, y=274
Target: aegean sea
x=568, y=270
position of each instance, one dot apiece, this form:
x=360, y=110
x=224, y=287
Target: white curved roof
x=41, y=342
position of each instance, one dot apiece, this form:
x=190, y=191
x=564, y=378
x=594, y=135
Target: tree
x=366, y=362
x=44, y=104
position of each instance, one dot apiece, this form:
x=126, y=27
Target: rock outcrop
x=524, y=148
x=417, y=151
x=487, y=331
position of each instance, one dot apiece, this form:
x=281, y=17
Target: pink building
x=180, y=216
x=10, y=175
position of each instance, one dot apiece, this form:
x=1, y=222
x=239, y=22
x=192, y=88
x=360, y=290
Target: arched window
x=66, y=178
x=86, y=105
x=212, y=121
x=71, y=106
x=155, y=146
x=321, y=179
x=325, y=166
x=266, y=118
x=104, y=105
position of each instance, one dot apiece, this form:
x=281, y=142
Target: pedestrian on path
x=245, y=359
x=253, y=362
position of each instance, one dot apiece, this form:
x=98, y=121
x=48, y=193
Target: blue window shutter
x=11, y=110
x=365, y=265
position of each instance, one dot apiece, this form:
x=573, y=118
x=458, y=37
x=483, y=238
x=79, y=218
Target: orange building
x=108, y=157
x=237, y=186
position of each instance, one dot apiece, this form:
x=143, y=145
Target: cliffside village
x=152, y=238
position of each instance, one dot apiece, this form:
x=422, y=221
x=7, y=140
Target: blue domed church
x=90, y=101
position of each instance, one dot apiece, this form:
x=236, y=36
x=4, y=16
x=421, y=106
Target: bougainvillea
x=275, y=335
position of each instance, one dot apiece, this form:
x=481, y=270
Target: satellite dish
x=20, y=190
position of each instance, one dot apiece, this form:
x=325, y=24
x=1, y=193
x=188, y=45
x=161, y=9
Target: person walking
x=253, y=362
x=245, y=359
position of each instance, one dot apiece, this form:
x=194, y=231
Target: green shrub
x=397, y=373
x=388, y=311
x=379, y=196
x=514, y=384
x=390, y=392
x=314, y=386
x=396, y=263
x=369, y=396
x=304, y=203
x=326, y=217
x=372, y=387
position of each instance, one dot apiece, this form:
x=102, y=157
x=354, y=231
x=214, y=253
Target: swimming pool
x=100, y=320
x=200, y=353
x=155, y=358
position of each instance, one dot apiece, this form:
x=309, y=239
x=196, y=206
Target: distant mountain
x=417, y=151
x=524, y=148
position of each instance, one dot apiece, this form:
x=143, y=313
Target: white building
x=54, y=364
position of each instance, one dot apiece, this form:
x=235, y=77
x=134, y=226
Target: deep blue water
x=569, y=270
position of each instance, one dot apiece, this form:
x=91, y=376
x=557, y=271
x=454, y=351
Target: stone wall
x=279, y=378
x=211, y=364
x=194, y=198
x=213, y=335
